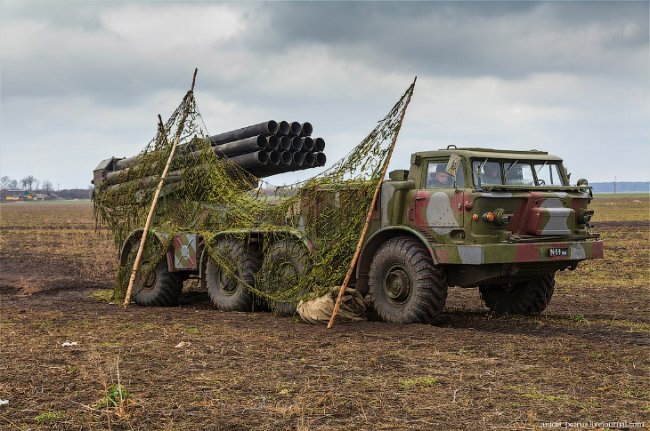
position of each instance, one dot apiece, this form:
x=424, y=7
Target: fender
x=378, y=238
x=134, y=238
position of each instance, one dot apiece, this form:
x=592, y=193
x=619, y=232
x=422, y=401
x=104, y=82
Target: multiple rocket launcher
x=262, y=150
x=271, y=148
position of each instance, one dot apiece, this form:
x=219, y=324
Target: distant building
x=15, y=195
x=24, y=195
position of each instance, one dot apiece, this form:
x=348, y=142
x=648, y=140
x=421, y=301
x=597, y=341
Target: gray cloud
x=88, y=78
x=508, y=39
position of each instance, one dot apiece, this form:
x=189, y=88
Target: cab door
x=439, y=205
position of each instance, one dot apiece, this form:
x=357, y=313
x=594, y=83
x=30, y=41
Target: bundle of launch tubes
x=262, y=150
x=271, y=148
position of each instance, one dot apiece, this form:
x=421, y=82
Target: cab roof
x=484, y=153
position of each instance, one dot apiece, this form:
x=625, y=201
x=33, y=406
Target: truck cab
x=504, y=221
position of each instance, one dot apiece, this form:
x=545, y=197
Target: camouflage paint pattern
x=516, y=253
x=532, y=223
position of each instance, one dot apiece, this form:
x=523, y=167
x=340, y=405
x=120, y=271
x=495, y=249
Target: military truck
x=502, y=221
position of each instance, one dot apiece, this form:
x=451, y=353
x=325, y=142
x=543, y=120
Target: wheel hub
x=147, y=275
x=289, y=273
x=150, y=280
x=397, y=284
x=229, y=282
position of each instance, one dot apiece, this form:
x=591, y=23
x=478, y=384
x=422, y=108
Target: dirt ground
x=583, y=363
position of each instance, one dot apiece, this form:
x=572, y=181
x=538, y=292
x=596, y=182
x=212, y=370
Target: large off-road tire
x=157, y=286
x=227, y=285
x=526, y=297
x=404, y=284
x=285, y=263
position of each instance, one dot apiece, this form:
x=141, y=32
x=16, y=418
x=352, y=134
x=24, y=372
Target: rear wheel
x=526, y=297
x=285, y=264
x=227, y=278
x=156, y=286
x=404, y=284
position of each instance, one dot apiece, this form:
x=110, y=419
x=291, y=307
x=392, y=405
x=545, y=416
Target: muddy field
x=584, y=360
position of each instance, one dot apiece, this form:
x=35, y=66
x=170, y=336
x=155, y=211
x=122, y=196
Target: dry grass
x=52, y=243
x=621, y=207
x=585, y=359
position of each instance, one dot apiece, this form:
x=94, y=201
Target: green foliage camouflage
x=215, y=198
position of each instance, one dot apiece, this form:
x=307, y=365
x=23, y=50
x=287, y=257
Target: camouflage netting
x=229, y=208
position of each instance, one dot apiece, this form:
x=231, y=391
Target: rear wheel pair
x=237, y=265
x=157, y=286
x=227, y=276
x=153, y=285
x=526, y=297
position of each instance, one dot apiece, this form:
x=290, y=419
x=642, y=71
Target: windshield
x=516, y=173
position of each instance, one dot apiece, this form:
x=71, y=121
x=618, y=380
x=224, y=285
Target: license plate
x=558, y=252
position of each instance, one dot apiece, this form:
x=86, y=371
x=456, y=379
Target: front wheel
x=526, y=297
x=404, y=284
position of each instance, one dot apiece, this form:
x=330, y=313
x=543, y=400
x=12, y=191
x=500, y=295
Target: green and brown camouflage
x=531, y=222
x=519, y=225
x=503, y=221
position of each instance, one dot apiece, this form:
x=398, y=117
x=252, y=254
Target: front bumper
x=516, y=253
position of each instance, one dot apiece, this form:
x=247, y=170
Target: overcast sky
x=82, y=81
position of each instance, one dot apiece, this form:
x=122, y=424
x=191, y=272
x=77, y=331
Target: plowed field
x=583, y=362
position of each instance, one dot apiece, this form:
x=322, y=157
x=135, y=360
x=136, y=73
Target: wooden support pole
x=353, y=263
x=154, y=202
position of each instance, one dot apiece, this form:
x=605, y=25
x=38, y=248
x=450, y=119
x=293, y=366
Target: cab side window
x=438, y=178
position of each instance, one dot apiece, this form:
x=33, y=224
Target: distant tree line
x=75, y=193
x=32, y=184
x=29, y=183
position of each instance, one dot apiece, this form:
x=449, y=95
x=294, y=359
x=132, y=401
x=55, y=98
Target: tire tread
x=429, y=283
